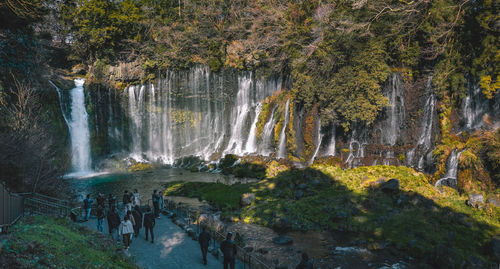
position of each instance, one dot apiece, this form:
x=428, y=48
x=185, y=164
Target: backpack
x=86, y=203
x=155, y=198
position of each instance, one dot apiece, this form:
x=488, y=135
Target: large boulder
x=247, y=198
x=476, y=200
x=391, y=186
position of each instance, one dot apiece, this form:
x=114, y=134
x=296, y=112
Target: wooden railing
x=11, y=207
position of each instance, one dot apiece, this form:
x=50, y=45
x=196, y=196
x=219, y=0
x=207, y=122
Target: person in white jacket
x=126, y=229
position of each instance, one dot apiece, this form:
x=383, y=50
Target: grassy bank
x=415, y=218
x=45, y=242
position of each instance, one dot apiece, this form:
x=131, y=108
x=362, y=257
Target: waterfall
x=319, y=137
x=78, y=126
x=450, y=178
x=282, y=143
x=395, y=113
x=251, y=146
x=330, y=151
x=239, y=116
x=192, y=112
x=473, y=108
x=268, y=134
x=424, y=143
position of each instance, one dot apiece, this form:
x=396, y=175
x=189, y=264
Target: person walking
x=156, y=203
x=100, y=217
x=149, y=224
x=135, y=197
x=126, y=229
x=204, y=239
x=305, y=263
x=87, y=206
x=126, y=201
x=138, y=220
x=228, y=248
x=113, y=223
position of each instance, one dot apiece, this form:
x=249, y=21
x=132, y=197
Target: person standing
x=305, y=263
x=101, y=200
x=156, y=203
x=135, y=196
x=111, y=201
x=149, y=224
x=228, y=248
x=87, y=206
x=204, y=239
x=100, y=217
x=126, y=229
x=138, y=220
x=113, y=222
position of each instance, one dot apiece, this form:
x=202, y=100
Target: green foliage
x=218, y=194
x=46, y=242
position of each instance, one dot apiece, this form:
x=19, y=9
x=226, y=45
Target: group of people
x=134, y=219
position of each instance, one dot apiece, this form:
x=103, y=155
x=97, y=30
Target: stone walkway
x=172, y=248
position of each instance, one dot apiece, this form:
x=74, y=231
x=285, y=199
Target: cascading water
x=282, y=142
x=330, y=151
x=78, y=125
x=191, y=113
x=450, y=178
x=267, y=135
x=251, y=146
x=319, y=137
x=395, y=113
x=473, y=108
x=424, y=143
x=239, y=116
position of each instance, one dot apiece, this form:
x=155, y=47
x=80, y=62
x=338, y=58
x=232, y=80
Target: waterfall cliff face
x=197, y=112
x=190, y=113
x=76, y=117
x=477, y=111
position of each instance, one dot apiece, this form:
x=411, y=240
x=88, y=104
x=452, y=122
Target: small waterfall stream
x=319, y=137
x=251, y=146
x=450, y=178
x=267, y=135
x=330, y=151
x=282, y=142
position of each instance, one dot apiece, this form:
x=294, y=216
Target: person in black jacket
x=228, y=248
x=113, y=223
x=138, y=220
x=156, y=203
x=204, y=239
x=149, y=224
x=127, y=201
